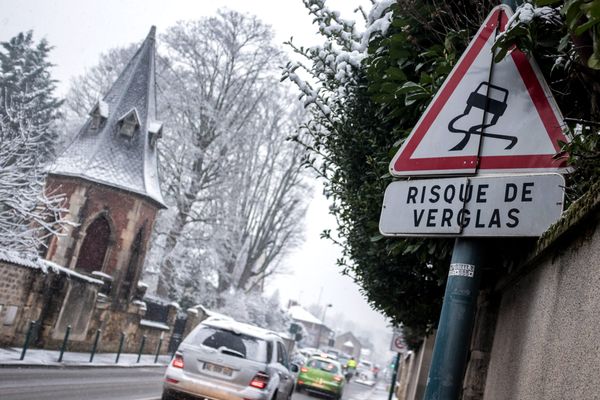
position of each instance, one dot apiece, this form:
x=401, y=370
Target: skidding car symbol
x=481, y=99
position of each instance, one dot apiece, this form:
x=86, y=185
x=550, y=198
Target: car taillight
x=260, y=380
x=177, y=361
x=338, y=378
x=304, y=369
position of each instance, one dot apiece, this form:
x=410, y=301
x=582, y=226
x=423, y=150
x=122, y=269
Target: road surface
x=80, y=384
x=111, y=383
x=352, y=391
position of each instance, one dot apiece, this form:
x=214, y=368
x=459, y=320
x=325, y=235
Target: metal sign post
x=456, y=321
x=394, y=375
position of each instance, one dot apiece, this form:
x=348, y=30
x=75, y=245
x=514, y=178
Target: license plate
x=218, y=369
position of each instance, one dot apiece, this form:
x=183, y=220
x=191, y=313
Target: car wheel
x=298, y=388
x=166, y=396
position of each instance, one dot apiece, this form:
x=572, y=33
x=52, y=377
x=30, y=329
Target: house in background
x=349, y=344
x=319, y=334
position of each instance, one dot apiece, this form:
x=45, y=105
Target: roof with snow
x=300, y=314
x=101, y=153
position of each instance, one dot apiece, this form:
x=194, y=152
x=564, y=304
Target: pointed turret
x=116, y=146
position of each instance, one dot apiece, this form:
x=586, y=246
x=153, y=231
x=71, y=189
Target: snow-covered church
x=89, y=279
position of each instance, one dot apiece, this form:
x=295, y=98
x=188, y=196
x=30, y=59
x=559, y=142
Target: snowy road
x=78, y=384
x=117, y=384
x=352, y=391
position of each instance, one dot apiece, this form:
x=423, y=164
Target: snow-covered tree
x=27, y=90
x=28, y=215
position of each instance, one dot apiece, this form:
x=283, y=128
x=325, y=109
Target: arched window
x=95, y=244
x=132, y=266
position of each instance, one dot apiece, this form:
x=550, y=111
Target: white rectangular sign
x=517, y=205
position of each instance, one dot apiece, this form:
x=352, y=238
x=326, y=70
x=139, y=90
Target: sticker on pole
x=488, y=117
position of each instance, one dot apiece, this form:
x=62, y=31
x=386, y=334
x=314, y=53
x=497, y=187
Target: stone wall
x=60, y=298
x=19, y=289
x=546, y=339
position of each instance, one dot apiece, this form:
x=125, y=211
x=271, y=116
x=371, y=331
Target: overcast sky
x=81, y=30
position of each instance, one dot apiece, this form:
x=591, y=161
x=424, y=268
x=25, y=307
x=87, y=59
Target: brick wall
x=127, y=214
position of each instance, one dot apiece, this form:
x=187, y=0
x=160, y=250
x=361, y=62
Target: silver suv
x=228, y=360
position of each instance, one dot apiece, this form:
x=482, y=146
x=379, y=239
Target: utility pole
x=322, y=325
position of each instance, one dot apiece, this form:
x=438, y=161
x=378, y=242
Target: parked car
x=228, y=360
x=323, y=375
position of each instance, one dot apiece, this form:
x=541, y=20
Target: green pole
x=141, y=348
x=158, y=350
x=95, y=346
x=27, y=339
x=453, y=336
x=120, y=347
x=394, y=375
x=64, y=343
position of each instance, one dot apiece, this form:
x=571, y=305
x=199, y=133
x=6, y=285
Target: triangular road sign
x=522, y=125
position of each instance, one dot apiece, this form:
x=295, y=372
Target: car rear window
x=323, y=365
x=231, y=343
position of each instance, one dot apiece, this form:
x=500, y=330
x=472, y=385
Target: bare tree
x=266, y=196
x=221, y=70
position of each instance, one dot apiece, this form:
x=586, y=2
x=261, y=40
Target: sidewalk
x=380, y=392
x=10, y=357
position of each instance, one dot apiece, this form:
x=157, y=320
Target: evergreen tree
x=27, y=88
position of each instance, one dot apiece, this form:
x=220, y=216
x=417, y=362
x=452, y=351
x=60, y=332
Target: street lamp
x=322, y=325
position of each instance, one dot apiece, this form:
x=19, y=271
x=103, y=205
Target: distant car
x=308, y=351
x=228, y=360
x=298, y=358
x=365, y=378
x=364, y=365
x=322, y=375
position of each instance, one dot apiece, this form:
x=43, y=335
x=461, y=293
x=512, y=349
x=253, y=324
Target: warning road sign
x=488, y=117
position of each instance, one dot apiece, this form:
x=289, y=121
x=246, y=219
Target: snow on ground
x=33, y=357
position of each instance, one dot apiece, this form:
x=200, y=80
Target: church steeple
x=116, y=146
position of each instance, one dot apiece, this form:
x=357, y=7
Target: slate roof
x=107, y=157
